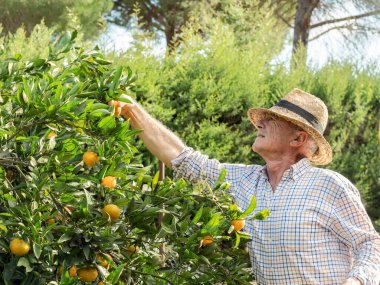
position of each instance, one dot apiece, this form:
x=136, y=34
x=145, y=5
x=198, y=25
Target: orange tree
x=75, y=205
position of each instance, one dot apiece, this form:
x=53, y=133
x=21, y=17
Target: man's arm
x=353, y=227
x=159, y=140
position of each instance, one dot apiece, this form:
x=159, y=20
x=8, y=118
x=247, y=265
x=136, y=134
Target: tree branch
x=283, y=19
x=331, y=29
x=355, y=17
x=12, y=162
x=153, y=275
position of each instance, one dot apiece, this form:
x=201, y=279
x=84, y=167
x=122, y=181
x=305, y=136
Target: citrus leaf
x=197, y=216
x=64, y=237
x=37, y=250
x=250, y=208
x=262, y=215
x=25, y=262
x=220, y=179
x=155, y=180
x=107, y=123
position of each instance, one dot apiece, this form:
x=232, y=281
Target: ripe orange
x=72, y=271
x=101, y=283
x=51, y=135
x=102, y=261
x=50, y=221
x=238, y=224
x=87, y=274
x=19, y=247
x=90, y=158
x=112, y=211
x=207, y=240
x=133, y=249
x=117, y=112
x=117, y=106
x=109, y=182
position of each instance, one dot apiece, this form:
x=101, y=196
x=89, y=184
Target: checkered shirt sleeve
x=318, y=231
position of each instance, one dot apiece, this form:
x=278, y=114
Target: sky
x=319, y=51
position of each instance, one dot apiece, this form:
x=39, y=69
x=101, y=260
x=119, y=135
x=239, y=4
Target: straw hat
x=305, y=111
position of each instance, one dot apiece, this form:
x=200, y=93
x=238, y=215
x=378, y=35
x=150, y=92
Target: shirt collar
x=294, y=172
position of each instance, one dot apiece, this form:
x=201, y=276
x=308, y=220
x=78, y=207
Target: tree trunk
x=302, y=21
x=169, y=35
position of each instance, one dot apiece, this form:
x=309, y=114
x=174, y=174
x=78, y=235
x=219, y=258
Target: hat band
x=301, y=112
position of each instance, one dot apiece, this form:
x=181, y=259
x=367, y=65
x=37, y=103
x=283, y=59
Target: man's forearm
x=159, y=140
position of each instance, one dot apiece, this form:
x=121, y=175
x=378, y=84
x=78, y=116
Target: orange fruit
x=90, y=158
x=50, y=221
x=207, y=240
x=109, y=182
x=72, y=271
x=117, y=112
x=19, y=247
x=133, y=249
x=87, y=274
x=101, y=283
x=117, y=108
x=51, y=135
x=238, y=224
x=112, y=211
x=102, y=261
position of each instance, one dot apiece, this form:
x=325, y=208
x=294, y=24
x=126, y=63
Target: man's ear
x=299, y=139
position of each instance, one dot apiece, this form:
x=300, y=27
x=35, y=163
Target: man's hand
x=160, y=141
x=122, y=108
x=352, y=281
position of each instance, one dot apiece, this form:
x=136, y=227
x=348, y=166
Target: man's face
x=273, y=137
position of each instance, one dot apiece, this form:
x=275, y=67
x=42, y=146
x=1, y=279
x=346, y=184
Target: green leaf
x=86, y=251
x=262, y=215
x=237, y=242
x=99, y=113
x=220, y=179
x=89, y=201
x=37, y=250
x=25, y=262
x=250, y=208
x=107, y=123
x=166, y=228
x=116, y=273
x=116, y=79
x=97, y=106
x=213, y=223
x=155, y=180
x=198, y=215
x=64, y=237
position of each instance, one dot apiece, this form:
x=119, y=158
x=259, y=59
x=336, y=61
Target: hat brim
x=322, y=156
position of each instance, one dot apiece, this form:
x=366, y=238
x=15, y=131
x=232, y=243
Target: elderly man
x=318, y=231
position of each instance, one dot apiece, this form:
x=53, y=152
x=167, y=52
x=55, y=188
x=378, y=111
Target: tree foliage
x=53, y=110
x=311, y=19
x=58, y=14
x=167, y=16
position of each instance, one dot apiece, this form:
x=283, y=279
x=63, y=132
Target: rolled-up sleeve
x=354, y=228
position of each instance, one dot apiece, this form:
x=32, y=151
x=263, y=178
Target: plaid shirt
x=318, y=231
